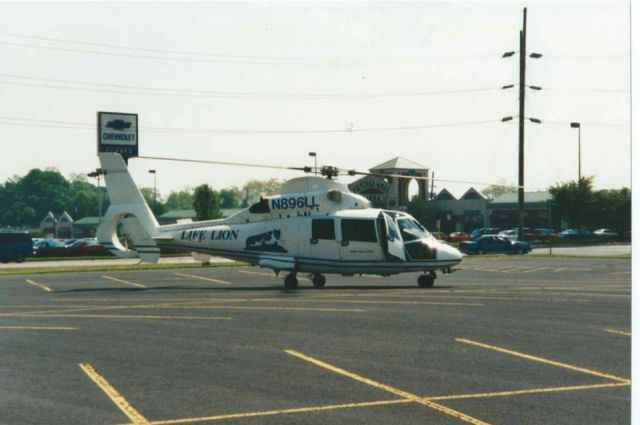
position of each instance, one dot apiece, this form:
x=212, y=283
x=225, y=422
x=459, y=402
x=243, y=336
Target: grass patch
x=106, y=267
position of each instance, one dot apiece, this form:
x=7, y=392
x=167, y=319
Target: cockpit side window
x=260, y=207
x=411, y=230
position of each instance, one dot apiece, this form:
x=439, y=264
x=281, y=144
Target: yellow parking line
x=128, y=316
x=39, y=285
x=560, y=269
x=542, y=360
x=325, y=300
x=280, y=412
x=126, y=282
x=257, y=273
x=388, y=388
x=235, y=307
x=531, y=391
x=126, y=408
x=613, y=331
x=41, y=328
x=208, y=279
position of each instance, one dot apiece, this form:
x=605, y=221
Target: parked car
x=459, y=236
x=85, y=248
x=51, y=248
x=605, y=234
x=511, y=234
x=494, y=243
x=440, y=236
x=476, y=233
x=580, y=233
x=15, y=246
x=546, y=233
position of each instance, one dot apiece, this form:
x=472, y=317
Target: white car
x=511, y=234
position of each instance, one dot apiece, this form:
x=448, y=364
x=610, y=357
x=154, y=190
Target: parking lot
x=503, y=340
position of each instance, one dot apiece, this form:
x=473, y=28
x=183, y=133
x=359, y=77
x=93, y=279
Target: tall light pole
x=154, y=191
x=315, y=162
x=522, y=85
x=577, y=125
x=99, y=172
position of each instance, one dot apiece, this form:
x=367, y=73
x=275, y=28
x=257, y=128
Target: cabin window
x=260, y=207
x=323, y=228
x=359, y=230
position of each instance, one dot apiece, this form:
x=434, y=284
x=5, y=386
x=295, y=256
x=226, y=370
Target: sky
x=269, y=82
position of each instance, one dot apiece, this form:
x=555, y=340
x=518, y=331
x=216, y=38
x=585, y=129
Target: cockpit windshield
x=412, y=230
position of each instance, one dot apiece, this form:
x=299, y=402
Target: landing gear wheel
x=290, y=282
x=318, y=280
x=426, y=281
x=19, y=258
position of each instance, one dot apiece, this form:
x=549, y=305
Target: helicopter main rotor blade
x=238, y=164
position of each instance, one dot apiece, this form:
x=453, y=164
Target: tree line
x=24, y=201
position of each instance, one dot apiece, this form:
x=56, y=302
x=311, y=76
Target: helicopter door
x=359, y=240
x=395, y=245
x=323, y=243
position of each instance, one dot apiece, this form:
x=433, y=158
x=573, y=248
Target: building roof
x=511, y=198
x=87, y=221
x=399, y=163
x=472, y=193
x=444, y=195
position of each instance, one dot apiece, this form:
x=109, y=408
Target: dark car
x=440, y=236
x=494, y=243
x=15, y=246
x=580, y=233
x=51, y=248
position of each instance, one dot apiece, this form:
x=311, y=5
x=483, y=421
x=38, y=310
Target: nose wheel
x=291, y=281
x=318, y=280
x=427, y=280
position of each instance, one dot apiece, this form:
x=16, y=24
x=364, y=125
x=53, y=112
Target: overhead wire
x=157, y=91
x=311, y=61
x=66, y=124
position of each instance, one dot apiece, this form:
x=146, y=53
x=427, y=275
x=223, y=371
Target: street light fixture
x=154, y=191
x=577, y=125
x=99, y=172
x=315, y=162
x=508, y=54
x=535, y=55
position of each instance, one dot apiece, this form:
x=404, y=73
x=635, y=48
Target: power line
x=157, y=91
x=251, y=61
x=252, y=57
x=30, y=122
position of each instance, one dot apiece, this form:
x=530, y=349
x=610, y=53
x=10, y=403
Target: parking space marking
x=280, y=412
x=208, y=279
x=404, y=394
x=325, y=300
x=39, y=285
x=560, y=269
x=40, y=328
x=126, y=282
x=614, y=331
x=546, y=361
x=257, y=273
x=531, y=391
x=236, y=307
x=127, y=316
x=126, y=408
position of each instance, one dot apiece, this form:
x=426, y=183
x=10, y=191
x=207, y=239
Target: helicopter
x=315, y=225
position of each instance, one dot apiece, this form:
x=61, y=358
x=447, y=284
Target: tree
x=495, y=190
x=422, y=211
x=147, y=194
x=574, y=201
x=231, y=198
x=253, y=189
x=206, y=203
x=181, y=200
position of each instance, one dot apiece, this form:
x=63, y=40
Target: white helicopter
x=315, y=225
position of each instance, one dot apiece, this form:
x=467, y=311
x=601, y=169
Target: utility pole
x=523, y=65
x=521, y=91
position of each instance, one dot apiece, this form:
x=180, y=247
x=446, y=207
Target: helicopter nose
x=448, y=253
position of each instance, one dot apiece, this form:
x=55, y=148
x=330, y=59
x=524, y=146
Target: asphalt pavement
x=503, y=340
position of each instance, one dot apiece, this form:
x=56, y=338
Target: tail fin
x=127, y=206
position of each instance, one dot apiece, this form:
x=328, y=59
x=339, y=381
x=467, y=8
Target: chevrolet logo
x=118, y=125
